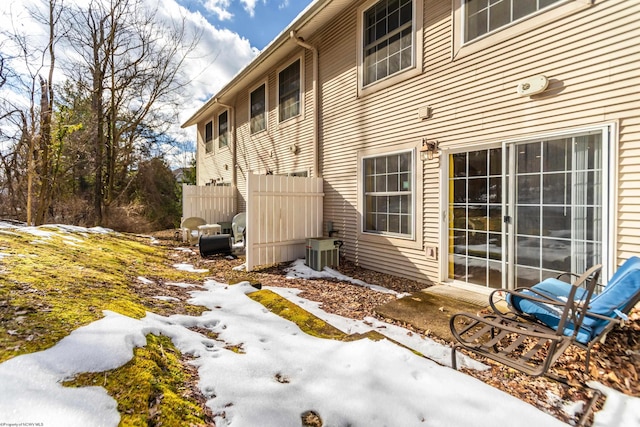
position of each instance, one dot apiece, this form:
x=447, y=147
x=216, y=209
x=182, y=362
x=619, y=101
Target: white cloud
x=220, y=8
x=219, y=55
x=249, y=6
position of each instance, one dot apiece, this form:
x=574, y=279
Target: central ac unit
x=322, y=252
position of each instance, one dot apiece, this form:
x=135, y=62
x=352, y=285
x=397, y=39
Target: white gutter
x=316, y=102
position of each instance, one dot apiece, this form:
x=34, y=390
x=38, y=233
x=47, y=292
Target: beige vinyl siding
x=270, y=150
x=209, y=169
x=592, y=58
x=351, y=124
x=593, y=62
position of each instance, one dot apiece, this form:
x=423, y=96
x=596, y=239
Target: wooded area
x=86, y=102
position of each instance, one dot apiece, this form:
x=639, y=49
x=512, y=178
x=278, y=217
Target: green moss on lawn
x=151, y=389
x=51, y=285
x=306, y=321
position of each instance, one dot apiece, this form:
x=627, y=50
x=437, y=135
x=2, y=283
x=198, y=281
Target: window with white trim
x=388, y=194
x=258, y=109
x=289, y=91
x=484, y=16
x=223, y=130
x=208, y=137
x=387, y=47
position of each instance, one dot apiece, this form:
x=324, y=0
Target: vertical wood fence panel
x=282, y=212
x=211, y=203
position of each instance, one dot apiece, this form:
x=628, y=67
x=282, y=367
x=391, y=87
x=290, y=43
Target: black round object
x=216, y=244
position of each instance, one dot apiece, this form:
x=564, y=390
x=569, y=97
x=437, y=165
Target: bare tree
x=31, y=115
x=46, y=113
x=120, y=79
x=21, y=116
x=3, y=71
x=133, y=59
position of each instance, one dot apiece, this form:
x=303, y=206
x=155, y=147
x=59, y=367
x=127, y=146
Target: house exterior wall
x=266, y=151
x=352, y=126
x=271, y=150
x=589, y=52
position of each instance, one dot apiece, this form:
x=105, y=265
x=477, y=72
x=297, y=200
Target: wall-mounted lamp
x=428, y=149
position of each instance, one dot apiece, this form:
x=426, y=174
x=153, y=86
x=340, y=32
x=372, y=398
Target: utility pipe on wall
x=316, y=102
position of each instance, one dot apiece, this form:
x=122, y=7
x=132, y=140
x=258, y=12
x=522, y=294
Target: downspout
x=232, y=120
x=316, y=102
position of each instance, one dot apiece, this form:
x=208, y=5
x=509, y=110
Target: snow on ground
x=189, y=268
x=435, y=351
x=166, y=298
x=299, y=270
x=181, y=285
x=619, y=409
x=144, y=280
x=281, y=373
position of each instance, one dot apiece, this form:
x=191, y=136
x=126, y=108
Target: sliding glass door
x=525, y=211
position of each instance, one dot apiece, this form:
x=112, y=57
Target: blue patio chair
x=605, y=310
x=516, y=341
x=545, y=319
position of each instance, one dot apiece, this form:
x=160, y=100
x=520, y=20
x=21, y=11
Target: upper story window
x=208, y=137
x=390, y=43
x=483, y=16
x=389, y=194
x=387, y=39
x=289, y=91
x=223, y=130
x=258, y=109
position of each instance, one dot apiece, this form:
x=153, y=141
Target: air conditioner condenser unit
x=322, y=252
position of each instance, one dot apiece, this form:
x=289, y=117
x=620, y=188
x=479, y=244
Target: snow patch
x=190, y=268
x=298, y=270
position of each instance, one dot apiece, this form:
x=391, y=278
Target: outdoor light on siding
x=428, y=149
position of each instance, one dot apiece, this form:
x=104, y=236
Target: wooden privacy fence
x=212, y=203
x=282, y=212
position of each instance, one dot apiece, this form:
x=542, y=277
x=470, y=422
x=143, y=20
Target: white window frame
x=491, y=7
x=609, y=194
x=208, y=139
x=228, y=133
x=417, y=51
x=526, y=24
x=300, y=115
x=264, y=83
x=414, y=240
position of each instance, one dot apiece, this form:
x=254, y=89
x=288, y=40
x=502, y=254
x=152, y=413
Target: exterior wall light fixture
x=428, y=149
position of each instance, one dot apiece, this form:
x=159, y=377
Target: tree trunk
x=45, y=143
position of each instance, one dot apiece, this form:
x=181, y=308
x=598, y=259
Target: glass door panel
x=558, y=207
x=475, y=217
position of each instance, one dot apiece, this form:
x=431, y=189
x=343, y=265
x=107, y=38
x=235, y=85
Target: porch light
x=428, y=149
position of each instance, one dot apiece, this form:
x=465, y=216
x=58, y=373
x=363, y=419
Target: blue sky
x=259, y=21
